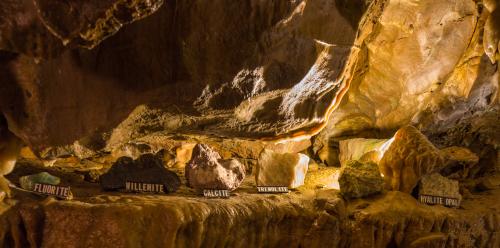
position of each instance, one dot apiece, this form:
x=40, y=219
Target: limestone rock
x=281, y=169
x=146, y=169
x=183, y=154
x=436, y=185
x=396, y=83
x=459, y=160
x=28, y=182
x=357, y=179
x=206, y=170
x=409, y=157
x=359, y=148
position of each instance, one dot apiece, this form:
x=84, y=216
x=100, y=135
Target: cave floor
x=307, y=217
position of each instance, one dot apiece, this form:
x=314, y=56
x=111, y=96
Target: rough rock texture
x=281, y=169
x=436, y=185
x=206, y=170
x=317, y=218
x=228, y=68
x=362, y=149
x=426, y=63
x=357, y=179
x=409, y=157
x=459, y=161
x=28, y=182
x=146, y=169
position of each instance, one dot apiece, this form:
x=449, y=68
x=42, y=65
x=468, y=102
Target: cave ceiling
x=249, y=69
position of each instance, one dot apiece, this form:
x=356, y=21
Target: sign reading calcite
x=53, y=190
x=276, y=169
x=216, y=193
x=146, y=174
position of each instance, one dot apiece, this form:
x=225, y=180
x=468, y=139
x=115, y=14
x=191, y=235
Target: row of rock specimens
x=206, y=170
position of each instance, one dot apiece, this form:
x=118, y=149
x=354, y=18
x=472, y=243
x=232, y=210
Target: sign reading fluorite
x=439, y=200
x=272, y=189
x=216, y=193
x=53, y=190
x=144, y=187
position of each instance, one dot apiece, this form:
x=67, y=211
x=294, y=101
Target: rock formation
x=357, y=179
x=148, y=168
x=206, y=170
x=281, y=169
x=436, y=185
x=269, y=83
x=409, y=157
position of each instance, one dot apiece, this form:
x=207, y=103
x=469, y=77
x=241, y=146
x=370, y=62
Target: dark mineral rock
x=206, y=170
x=146, y=169
x=358, y=179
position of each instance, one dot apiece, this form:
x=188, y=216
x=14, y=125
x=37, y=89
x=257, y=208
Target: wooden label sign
x=272, y=189
x=53, y=190
x=144, y=187
x=439, y=200
x=216, y=193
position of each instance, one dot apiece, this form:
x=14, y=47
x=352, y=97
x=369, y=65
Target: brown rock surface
x=410, y=156
x=317, y=218
x=227, y=68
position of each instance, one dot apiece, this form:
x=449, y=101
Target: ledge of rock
x=317, y=218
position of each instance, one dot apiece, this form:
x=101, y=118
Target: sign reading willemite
x=144, y=187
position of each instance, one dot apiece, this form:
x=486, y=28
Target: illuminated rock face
x=207, y=170
x=409, y=157
x=227, y=68
x=362, y=149
x=426, y=63
x=276, y=169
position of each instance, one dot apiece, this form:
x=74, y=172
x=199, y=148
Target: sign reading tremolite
x=272, y=189
x=216, y=193
x=53, y=190
x=439, y=200
x=144, y=187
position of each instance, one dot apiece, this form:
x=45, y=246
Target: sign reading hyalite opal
x=216, y=193
x=144, y=187
x=53, y=190
x=272, y=189
x=439, y=200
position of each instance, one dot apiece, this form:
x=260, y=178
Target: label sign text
x=216, y=193
x=272, y=189
x=144, y=187
x=53, y=190
x=445, y=201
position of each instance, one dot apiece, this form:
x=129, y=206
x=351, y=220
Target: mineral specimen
x=409, y=157
x=28, y=182
x=206, y=170
x=435, y=185
x=357, y=179
x=148, y=169
x=281, y=169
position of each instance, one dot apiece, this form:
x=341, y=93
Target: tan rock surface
x=315, y=217
x=281, y=169
x=410, y=156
